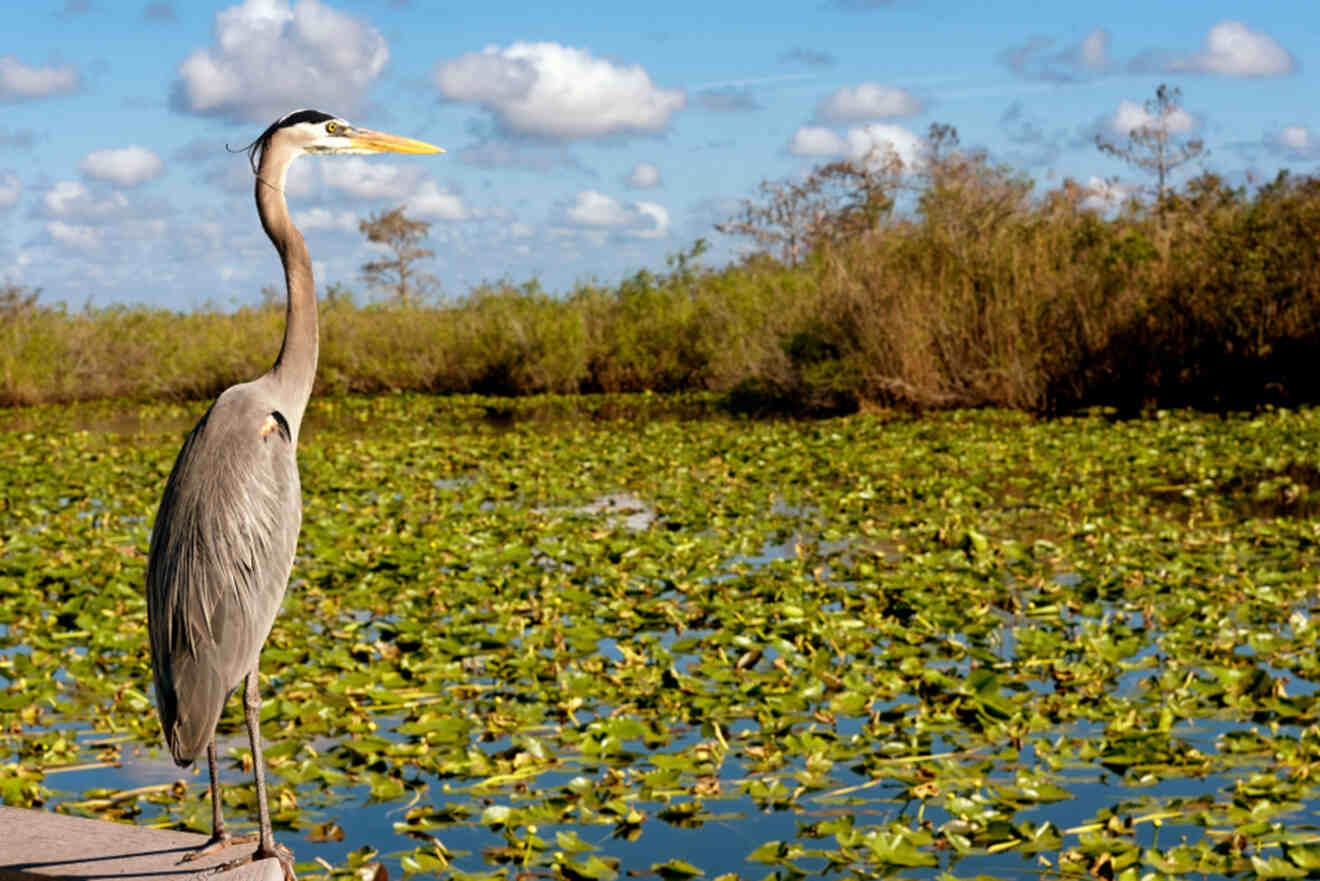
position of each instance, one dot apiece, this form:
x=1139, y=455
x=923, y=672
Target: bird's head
x=311, y=131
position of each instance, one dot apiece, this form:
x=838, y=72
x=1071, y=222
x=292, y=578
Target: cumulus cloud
x=659, y=217
x=1034, y=60
x=74, y=235
x=1107, y=195
x=323, y=218
x=387, y=181
x=594, y=210
x=874, y=142
x=1230, y=49
x=554, y=91
x=19, y=82
x=127, y=166
x=70, y=199
x=877, y=140
x=1295, y=141
x=370, y=180
x=270, y=56
x=645, y=176
x=811, y=140
x=431, y=201
x=10, y=189
x=867, y=101
x=1131, y=116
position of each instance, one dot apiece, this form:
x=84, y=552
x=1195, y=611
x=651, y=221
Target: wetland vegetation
x=959, y=286
x=617, y=636
x=607, y=625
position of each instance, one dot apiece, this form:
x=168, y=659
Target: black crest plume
x=255, y=148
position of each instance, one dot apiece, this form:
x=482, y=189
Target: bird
x=223, y=541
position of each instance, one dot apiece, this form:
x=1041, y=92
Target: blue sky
x=585, y=142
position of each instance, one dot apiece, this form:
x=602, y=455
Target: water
x=800, y=737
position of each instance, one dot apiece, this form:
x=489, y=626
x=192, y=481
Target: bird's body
x=222, y=549
x=225, y=535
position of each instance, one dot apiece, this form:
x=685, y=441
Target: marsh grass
x=982, y=293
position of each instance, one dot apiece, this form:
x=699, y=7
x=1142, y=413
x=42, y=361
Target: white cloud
x=18, y=82
x=127, y=167
x=323, y=218
x=1231, y=49
x=1298, y=141
x=371, y=180
x=877, y=140
x=811, y=140
x=555, y=91
x=659, y=217
x=592, y=209
x=873, y=142
x=71, y=199
x=1131, y=116
x=645, y=176
x=1106, y=195
x=1296, y=137
x=10, y=189
x=270, y=57
x=79, y=236
x=431, y=201
x=60, y=199
x=868, y=101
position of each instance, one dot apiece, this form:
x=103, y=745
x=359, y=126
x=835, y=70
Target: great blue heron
x=223, y=543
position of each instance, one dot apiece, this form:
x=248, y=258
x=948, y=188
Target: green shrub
x=981, y=294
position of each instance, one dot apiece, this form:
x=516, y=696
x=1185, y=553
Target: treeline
x=965, y=289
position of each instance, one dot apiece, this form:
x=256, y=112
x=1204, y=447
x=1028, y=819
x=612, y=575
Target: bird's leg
x=266, y=846
x=252, y=713
x=218, y=830
x=220, y=837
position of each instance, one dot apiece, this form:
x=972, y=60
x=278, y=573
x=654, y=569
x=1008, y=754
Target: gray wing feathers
x=221, y=550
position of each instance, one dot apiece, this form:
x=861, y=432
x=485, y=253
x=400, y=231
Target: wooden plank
x=42, y=846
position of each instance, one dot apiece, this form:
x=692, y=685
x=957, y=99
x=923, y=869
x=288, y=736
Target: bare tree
x=962, y=192
x=1155, y=147
x=834, y=202
x=398, y=273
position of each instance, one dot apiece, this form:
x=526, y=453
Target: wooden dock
x=42, y=846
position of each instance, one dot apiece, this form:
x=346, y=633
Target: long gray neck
x=295, y=368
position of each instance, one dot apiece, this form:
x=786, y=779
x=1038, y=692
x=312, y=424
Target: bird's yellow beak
x=382, y=142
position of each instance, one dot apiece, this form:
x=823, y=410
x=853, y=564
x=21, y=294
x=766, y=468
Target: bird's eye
x=331, y=128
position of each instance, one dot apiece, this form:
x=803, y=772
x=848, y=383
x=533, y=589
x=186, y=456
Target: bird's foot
x=276, y=852
x=218, y=842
